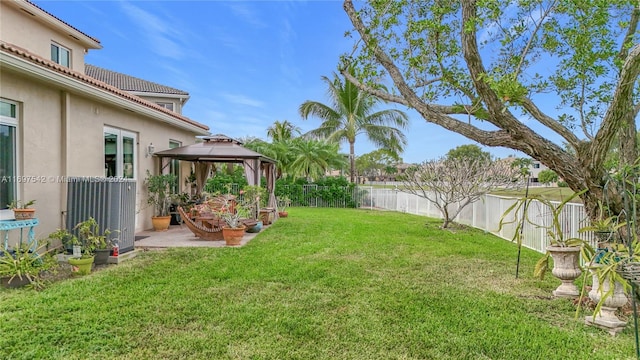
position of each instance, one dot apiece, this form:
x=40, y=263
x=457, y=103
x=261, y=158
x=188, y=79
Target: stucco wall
x=21, y=29
x=42, y=155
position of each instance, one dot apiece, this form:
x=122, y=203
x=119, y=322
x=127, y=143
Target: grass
x=320, y=284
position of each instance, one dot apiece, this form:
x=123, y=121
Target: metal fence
x=486, y=213
x=311, y=195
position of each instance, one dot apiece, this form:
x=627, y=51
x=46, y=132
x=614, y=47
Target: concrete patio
x=180, y=236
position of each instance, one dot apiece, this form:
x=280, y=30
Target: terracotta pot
x=24, y=214
x=233, y=236
x=161, y=223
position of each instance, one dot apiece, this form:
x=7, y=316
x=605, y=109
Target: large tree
x=489, y=70
x=353, y=112
x=377, y=162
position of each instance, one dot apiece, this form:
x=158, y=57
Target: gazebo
x=220, y=148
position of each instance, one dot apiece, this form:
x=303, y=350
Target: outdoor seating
x=213, y=231
x=208, y=225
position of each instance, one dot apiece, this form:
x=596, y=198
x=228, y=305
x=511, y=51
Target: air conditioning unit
x=111, y=201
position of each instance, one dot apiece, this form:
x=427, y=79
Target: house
x=535, y=169
x=61, y=118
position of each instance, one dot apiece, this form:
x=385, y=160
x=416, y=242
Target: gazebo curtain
x=252, y=171
x=202, y=173
x=271, y=185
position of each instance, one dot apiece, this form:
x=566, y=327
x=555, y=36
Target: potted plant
x=22, y=210
x=159, y=191
x=254, y=196
x=91, y=237
x=69, y=242
x=603, y=228
x=22, y=266
x=231, y=212
x=564, y=251
x=283, y=203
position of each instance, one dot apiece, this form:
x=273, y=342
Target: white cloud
x=242, y=100
x=247, y=14
x=162, y=34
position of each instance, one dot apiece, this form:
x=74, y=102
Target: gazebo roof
x=215, y=148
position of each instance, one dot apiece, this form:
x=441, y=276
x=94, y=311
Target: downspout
x=65, y=130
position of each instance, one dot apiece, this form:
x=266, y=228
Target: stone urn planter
x=606, y=318
x=233, y=236
x=566, y=268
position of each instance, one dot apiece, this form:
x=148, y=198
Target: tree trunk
x=352, y=161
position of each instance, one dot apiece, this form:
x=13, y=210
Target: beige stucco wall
x=42, y=157
x=21, y=29
x=177, y=104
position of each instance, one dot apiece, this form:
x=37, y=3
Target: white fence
x=485, y=214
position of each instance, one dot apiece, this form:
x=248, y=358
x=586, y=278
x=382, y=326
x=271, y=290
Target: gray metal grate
x=110, y=201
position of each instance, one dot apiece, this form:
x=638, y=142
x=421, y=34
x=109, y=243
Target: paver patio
x=180, y=236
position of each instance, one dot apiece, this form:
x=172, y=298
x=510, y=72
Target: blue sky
x=245, y=64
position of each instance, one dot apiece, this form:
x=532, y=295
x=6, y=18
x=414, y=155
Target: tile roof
x=40, y=61
x=129, y=83
x=62, y=21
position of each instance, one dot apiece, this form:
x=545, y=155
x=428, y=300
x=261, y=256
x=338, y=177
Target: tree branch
x=631, y=30
x=549, y=122
x=621, y=108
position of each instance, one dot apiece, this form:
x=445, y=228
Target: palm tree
x=313, y=158
x=282, y=130
x=350, y=114
x=280, y=151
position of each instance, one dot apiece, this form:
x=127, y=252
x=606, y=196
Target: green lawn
x=320, y=284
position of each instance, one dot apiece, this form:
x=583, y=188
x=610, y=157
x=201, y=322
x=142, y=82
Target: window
x=120, y=153
x=536, y=165
x=60, y=55
x=174, y=166
x=166, y=105
x=8, y=153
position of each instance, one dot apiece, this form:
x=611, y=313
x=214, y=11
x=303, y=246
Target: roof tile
x=128, y=82
x=35, y=59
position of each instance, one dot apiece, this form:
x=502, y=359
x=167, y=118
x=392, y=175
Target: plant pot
x=256, y=228
x=566, y=268
x=77, y=251
x=283, y=214
x=24, y=214
x=233, y=236
x=15, y=282
x=606, y=318
x=102, y=256
x=161, y=223
x=81, y=266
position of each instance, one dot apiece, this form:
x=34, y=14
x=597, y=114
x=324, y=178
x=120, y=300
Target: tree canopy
x=509, y=73
x=471, y=152
x=353, y=112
